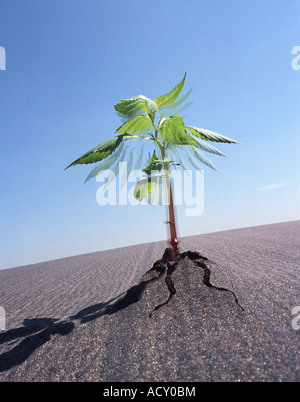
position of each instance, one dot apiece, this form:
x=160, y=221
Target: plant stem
x=171, y=220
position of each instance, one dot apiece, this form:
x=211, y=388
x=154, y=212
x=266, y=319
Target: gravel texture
x=86, y=318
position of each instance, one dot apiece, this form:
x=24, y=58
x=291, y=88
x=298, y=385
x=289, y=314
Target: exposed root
x=170, y=285
x=201, y=262
x=197, y=259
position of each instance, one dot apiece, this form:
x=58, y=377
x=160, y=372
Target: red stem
x=172, y=222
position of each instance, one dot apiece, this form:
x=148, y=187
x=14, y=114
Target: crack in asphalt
x=197, y=259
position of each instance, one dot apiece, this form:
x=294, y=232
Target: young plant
x=158, y=123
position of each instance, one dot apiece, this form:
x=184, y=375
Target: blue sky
x=69, y=61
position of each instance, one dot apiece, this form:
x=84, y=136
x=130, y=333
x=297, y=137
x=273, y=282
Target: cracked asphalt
x=86, y=318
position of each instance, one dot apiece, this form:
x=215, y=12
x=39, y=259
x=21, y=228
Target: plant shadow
x=36, y=332
x=131, y=296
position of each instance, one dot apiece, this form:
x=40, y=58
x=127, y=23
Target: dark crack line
x=201, y=261
x=160, y=305
x=210, y=285
x=170, y=286
x=197, y=259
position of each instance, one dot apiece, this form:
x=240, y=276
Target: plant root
x=171, y=266
x=170, y=286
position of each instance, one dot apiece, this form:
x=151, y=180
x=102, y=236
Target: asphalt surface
x=86, y=318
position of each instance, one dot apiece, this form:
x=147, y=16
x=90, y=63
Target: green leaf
x=100, y=152
x=106, y=164
x=169, y=112
x=115, y=170
x=180, y=160
x=202, y=158
x=152, y=164
x=153, y=197
x=178, y=102
x=170, y=97
x=136, y=124
x=137, y=104
x=208, y=135
x=205, y=146
x=144, y=187
x=195, y=163
x=172, y=130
